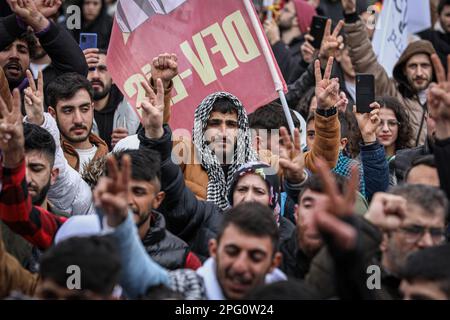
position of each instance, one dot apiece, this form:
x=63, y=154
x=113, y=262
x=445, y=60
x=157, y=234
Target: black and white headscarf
x=217, y=186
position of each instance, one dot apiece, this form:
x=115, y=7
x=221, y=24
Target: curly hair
x=404, y=128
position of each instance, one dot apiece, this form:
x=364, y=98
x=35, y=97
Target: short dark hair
x=315, y=183
x=96, y=256
x=223, y=105
x=271, y=117
x=427, y=160
x=66, y=86
x=430, y=264
x=305, y=102
x=291, y=289
x=39, y=139
x=29, y=38
x=252, y=218
x=427, y=197
x=441, y=5
x=145, y=165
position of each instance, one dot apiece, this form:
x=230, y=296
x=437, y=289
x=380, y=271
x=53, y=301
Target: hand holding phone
x=365, y=92
x=88, y=40
x=317, y=30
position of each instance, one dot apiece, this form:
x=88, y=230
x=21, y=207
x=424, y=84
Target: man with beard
x=411, y=76
x=114, y=118
x=420, y=223
x=70, y=103
x=17, y=46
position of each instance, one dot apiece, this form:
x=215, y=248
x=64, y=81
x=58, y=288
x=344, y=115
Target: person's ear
x=52, y=112
x=276, y=261
x=344, y=142
x=158, y=199
x=54, y=173
x=212, y=248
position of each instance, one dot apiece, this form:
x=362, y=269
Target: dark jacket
x=295, y=262
x=375, y=168
x=335, y=273
x=165, y=248
x=442, y=154
x=291, y=66
x=194, y=221
x=403, y=159
x=65, y=53
x=440, y=41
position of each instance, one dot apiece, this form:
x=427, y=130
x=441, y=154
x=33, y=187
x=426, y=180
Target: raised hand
x=272, y=31
x=386, y=211
x=328, y=219
x=34, y=99
x=291, y=157
x=331, y=41
x=48, y=7
x=368, y=122
x=165, y=67
x=111, y=192
x=12, y=141
x=92, y=57
x=439, y=98
x=307, y=50
x=327, y=90
x=29, y=13
x=153, y=110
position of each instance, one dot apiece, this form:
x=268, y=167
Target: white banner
x=397, y=20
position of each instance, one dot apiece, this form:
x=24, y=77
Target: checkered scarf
x=243, y=151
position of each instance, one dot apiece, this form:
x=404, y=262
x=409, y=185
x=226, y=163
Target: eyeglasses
x=391, y=123
x=415, y=233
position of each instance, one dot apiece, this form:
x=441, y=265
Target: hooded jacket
x=364, y=61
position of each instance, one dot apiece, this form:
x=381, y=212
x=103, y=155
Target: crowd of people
x=348, y=205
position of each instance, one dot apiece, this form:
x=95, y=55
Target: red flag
x=217, y=48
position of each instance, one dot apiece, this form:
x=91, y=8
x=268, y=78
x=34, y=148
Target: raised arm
x=35, y=224
x=361, y=51
x=373, y=158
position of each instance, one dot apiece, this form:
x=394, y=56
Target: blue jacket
x=375, y=168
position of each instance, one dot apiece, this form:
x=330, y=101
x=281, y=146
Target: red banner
x=216, y=45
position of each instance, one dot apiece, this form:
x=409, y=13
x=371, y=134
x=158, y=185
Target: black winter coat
x=165, y=248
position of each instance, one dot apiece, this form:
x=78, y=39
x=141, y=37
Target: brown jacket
x=72, y=156
x=13, y=277
x=365, y=61
x=326, y=145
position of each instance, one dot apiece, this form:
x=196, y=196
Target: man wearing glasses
x=419, y=212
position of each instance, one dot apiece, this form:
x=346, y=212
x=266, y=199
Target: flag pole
x=269, y=59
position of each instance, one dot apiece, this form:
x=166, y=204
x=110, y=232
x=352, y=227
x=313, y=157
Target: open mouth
x=13, y=68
